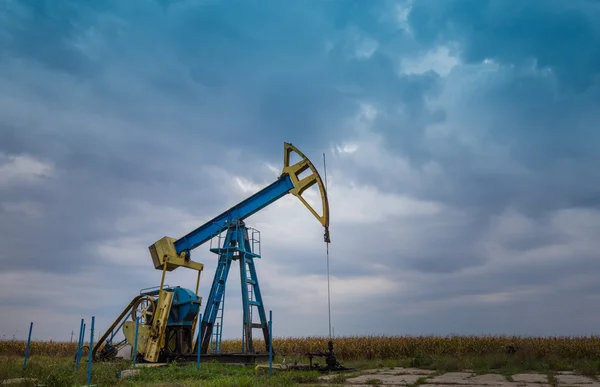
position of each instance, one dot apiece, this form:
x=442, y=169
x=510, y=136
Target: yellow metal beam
x=156, y=341
x=300, y=185
x=163, y=251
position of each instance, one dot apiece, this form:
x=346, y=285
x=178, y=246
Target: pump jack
x=170, y=318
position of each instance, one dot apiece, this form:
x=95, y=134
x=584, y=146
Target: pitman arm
x=177, y=251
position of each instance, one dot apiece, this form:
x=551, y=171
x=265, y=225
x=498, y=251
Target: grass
x=60, y=372
x=52, y=363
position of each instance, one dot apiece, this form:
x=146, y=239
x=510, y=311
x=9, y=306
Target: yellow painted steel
x=165, y=258
x=200, y=299
x=156, y=340
x=163, y=251
x=124, y=313
x=300, y=185
x=143, y=335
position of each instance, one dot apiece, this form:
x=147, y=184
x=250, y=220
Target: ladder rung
x=257, y=325
x=250, y=281
x=255, y=303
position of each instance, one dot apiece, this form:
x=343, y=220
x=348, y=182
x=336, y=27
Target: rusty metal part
x=118, y=322
x=144, y=309
x=331, y=363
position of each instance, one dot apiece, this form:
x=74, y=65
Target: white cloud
x=347, y=148
x=403, y=10
x=23, y=168
x=438, y=59
x=366, y=48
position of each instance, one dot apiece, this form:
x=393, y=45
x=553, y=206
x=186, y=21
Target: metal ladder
x=250, y=285
x=217, y=333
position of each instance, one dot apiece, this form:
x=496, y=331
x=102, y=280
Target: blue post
x=82, y=340
x=270, y=341
x=137, y=325
x=198, y=344
x=27, y=347
x=79, y=344
x=89, y=375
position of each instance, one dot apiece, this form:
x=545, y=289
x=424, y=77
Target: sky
x=460, y=139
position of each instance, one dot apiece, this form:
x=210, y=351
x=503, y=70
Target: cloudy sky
x=460, y=137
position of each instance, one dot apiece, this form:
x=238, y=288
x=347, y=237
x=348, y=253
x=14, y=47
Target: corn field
x=378, y=347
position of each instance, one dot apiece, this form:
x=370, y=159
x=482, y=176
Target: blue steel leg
x=135, y=341
x=219, y=295
x=198, y=346
x=270, y=341
x=258, y=295
x=89, y=376
x=242, y=234
x=79, y=344
x=215, y=298
x=27, y=347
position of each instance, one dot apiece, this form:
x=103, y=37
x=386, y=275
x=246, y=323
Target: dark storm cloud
x=536, y=114
x=145, y=113
x=558, y=35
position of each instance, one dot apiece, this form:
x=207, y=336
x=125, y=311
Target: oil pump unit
x=168, y=315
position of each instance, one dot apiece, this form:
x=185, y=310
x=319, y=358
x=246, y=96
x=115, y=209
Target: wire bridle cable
x=327, y=244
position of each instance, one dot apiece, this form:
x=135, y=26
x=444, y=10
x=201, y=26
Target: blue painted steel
x=89, y=375
x=249, y=277
x=79, y=344
x=27, y=347
x=217, y=293
x=240, y=211
x=270, y=341
x=185, y=307
x=236, y=246
x=135, y=341
x=198, y=346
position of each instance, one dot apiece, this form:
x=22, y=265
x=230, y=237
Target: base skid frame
x=234, y=358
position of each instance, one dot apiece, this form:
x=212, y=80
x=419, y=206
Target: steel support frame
x=237, y=246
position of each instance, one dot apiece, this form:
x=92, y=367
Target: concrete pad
x=451, y=378
x=489, y=380
x=466, y=378
x=448, y=385
x=478, y=385
x=530, y=378
x=571, y=378
x=370, y=385
x=128, y=373
x=150, y=365
x=329, y=377
x=405, y=371
x=18, y=381
x=385, y=379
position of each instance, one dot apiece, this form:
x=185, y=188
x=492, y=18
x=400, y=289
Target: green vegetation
x=60, y=373
x=52, y=363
